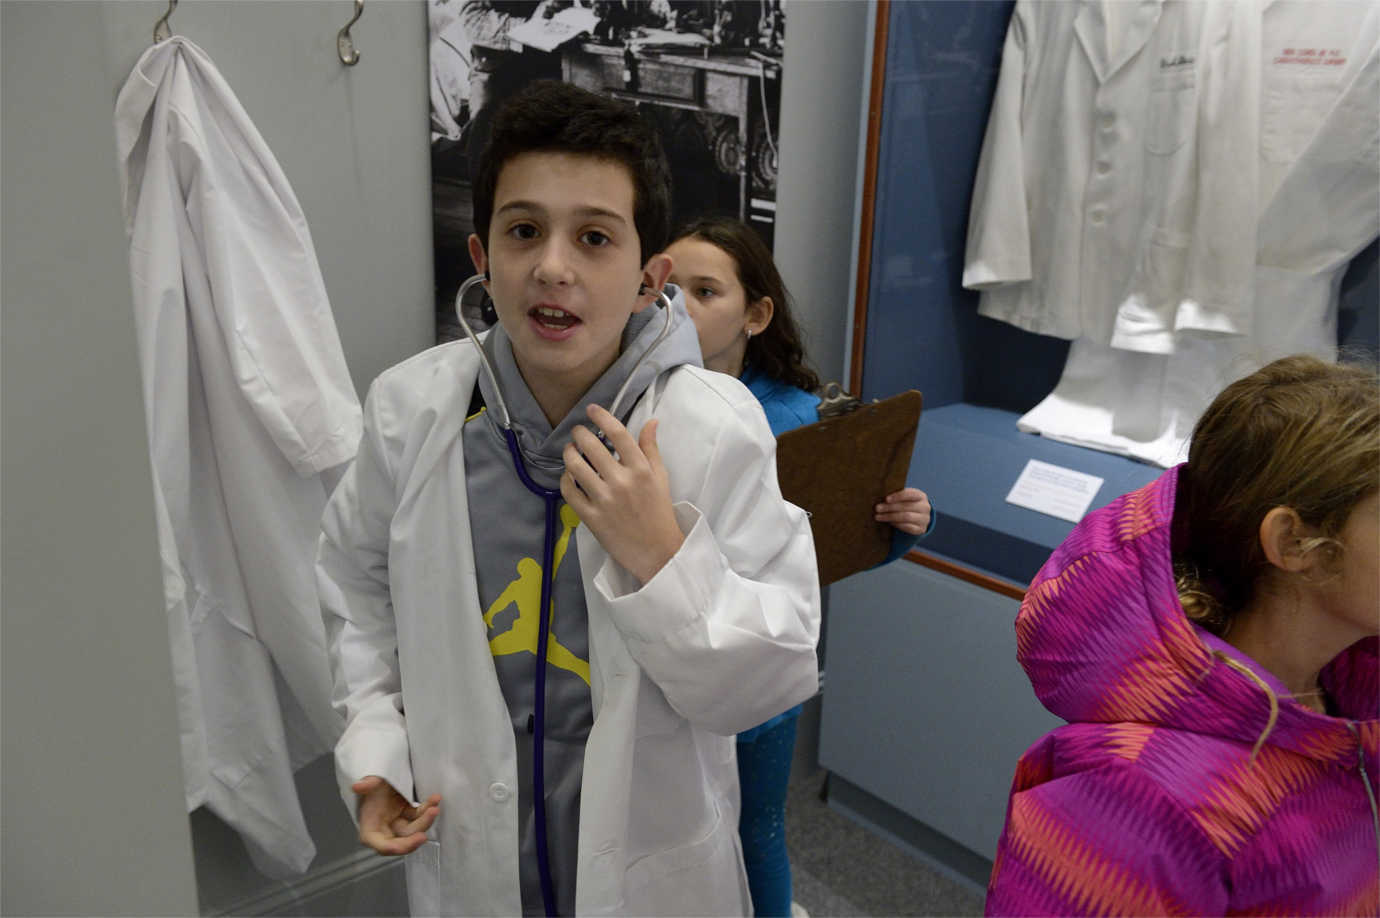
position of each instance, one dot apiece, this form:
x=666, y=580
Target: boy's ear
x=478, y=256
x=1282, y=533
x=654, y=275
x=758, y=315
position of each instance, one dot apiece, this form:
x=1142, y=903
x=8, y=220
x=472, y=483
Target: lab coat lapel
x=606, y=785
x=609, y=656
x=136, y=99
x=1092, y=28
x=615, y=684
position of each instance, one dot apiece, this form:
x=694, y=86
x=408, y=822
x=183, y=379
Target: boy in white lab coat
x=684, y=596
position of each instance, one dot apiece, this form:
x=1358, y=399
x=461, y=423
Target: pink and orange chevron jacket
x=1149, y=800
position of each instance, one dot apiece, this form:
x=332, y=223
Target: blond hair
x=1298, y=433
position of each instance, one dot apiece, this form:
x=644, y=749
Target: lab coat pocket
x=1173, y=110
x=199, y=605
x=1295, y=106
x=1164, y=263
x=206, y=610
x=423, y=869
x=701, y=878
x=1145, y=318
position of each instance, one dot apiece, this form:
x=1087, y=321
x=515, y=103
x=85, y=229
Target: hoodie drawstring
x=1270, y=725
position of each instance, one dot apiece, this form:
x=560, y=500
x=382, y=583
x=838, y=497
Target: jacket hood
x=1104, y=639
x=541, y=443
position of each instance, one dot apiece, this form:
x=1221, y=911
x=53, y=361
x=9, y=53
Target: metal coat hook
x=161, y=30
x=344, y=44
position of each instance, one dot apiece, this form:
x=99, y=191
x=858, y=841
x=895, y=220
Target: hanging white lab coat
x=722, y=638
x=1116, y=191
x=247, y=401
x=1319, y=162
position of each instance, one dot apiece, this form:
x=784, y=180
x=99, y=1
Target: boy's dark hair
x=777, y=350
x=551, y=117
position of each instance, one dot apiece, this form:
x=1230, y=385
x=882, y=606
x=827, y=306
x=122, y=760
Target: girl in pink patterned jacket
x=1211, y=641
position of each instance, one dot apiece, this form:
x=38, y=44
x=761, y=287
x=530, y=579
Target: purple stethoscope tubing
x=552, y=499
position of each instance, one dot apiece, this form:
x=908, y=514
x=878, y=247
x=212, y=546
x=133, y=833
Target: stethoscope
x=552, y=498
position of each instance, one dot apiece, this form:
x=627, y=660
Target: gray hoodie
x=508, y=523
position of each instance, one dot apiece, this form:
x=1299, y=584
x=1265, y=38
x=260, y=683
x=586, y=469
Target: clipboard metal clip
x=835, y=402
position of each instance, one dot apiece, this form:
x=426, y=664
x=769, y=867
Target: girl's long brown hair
x=777, y=350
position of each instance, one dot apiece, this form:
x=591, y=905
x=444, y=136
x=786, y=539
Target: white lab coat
x=1319, y=162
x=1116, y=192
x=721, y=639
x=247, y=401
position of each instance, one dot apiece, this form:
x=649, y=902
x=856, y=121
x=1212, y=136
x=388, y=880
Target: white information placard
x=1054, y=490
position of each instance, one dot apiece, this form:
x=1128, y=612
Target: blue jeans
x=764, y=768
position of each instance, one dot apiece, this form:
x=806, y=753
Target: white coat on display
x=1319, y=162
x=1116, y=193
x=722, y=638
x=248, y=402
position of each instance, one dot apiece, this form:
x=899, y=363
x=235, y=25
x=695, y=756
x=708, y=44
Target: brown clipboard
x=839, y=469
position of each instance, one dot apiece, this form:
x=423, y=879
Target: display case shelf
x=968, y=457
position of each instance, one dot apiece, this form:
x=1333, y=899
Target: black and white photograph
x=706, y=72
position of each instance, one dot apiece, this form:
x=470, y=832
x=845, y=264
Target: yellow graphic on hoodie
x=525, y=593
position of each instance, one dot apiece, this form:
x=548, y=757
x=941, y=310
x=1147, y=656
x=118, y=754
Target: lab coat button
x=498, y=791
x=1097, y=215
x=1103, y=167
x=1107, y=121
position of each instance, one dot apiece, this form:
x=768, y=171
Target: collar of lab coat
x=158, y=73
x=1092, y=26
x=137, y=95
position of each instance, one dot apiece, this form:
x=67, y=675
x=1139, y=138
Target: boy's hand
x=387, y=822
x=625, y=500
x=908, y=510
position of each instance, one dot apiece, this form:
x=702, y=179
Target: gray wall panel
x=925, y=706
x=92, y=790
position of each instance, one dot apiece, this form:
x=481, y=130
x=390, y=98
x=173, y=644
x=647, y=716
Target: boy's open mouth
x=552, y=317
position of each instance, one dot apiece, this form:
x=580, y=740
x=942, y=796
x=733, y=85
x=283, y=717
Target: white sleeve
x=727, y=629
x=998, y=248
x=361, y=635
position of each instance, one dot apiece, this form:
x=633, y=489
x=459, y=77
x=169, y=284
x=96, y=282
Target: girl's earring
x=747, y=332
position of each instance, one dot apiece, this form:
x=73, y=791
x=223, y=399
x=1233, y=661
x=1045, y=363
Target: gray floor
x=840, y=868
